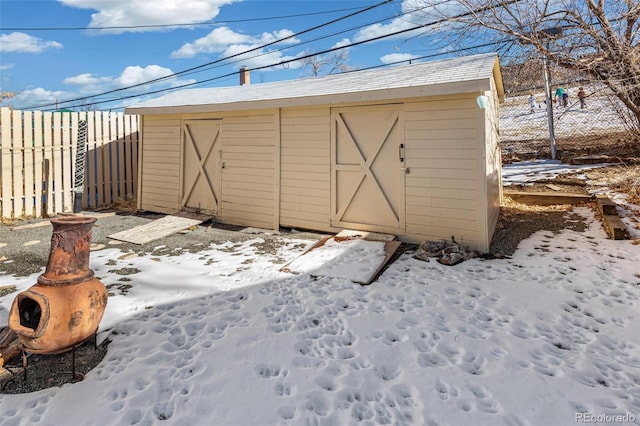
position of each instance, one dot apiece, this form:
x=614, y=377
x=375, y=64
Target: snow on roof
x=477, y=68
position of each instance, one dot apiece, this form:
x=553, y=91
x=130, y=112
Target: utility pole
x=549, y=104
x=549, y=33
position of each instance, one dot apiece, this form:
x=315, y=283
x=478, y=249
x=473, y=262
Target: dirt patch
x=620, y=147
x=518, y=222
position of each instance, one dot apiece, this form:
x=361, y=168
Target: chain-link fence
x=596, y=126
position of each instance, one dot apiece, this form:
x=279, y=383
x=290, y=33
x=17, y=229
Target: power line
x=408, y=12
x=502, y=4
x=366, y=9
x=195, y=24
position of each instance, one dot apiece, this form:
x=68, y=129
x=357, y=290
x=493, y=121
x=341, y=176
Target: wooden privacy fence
x=40, y=151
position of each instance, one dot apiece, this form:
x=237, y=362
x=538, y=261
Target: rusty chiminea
x=66, y=305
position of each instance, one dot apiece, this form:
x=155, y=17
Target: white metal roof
x=458, y=75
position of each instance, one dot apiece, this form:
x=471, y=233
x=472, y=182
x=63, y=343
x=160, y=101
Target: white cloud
x=414, y=14
x=24, y=43
x=145, y=12
x=4, y=67
x=90, y=84
x=134, y=74
x=343, y=42
x=396, y=57
x=225, y=42
x=39, y=95
x=215, y=42
x=86, y=79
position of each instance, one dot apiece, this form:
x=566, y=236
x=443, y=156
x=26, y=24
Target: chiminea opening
x=30, y=313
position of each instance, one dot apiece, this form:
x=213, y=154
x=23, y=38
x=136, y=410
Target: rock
x=447, y=252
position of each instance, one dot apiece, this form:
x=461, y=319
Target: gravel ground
x=25, y=251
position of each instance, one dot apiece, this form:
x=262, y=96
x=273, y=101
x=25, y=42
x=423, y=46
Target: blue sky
x=45, y=63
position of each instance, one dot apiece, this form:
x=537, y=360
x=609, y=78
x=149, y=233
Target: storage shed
x=409, y=150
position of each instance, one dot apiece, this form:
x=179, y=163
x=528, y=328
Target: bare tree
x=594, y=38
x=334, y=63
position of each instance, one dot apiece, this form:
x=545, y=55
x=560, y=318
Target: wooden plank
x=606, y=205
x=29, y=189
x=365, y=235
x=154, y=230
x=7, y=170
x=56, y=163
x=546, y=198
x=106, y=161
x=38, y=158
x=68, y=164
x=90, y=163
x=113, y=158
x=135, y=150
x=616, y=229
x=100, y=135
x=47, y=171
x=120, y=142
x=553, y=187
x=127, y=158
x=18, y=165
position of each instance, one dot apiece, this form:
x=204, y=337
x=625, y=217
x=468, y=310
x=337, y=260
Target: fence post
x=7, y=178
x=547, y=95
x=38, y=160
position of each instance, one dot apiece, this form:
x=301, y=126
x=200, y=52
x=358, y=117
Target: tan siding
x=441, y=183
x=446, y=173
x=437, y=163
x=160, y=173
x=305, y=157
x=441, y=194
x=248, y=155
x=444, y=154
x=427, y=202
x=494, y=163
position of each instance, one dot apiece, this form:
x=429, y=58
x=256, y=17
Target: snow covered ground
x=223, y=337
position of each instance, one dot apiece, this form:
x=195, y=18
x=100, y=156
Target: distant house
x=410, y=150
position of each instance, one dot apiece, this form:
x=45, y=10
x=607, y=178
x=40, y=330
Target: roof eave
x=448, y=88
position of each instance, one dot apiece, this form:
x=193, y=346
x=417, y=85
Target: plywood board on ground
x=157, y=229
x=357, y=259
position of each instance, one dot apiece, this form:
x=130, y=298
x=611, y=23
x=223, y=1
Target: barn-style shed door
x=367, y=169
x=201, y=147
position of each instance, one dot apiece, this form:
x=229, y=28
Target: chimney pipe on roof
x=245, y=78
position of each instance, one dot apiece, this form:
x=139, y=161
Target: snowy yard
x=598, y=118
x=223, y=337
